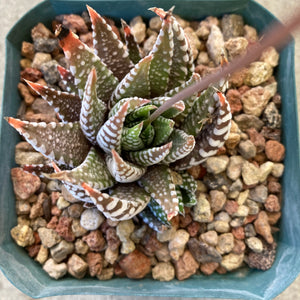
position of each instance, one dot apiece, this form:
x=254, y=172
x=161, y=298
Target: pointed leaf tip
x=15, y=123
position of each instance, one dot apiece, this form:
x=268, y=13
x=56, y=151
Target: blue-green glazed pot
x=28, y=276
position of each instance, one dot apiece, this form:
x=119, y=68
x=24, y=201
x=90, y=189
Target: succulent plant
x=107, y=150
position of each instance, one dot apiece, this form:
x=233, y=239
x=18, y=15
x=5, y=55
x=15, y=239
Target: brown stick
x=277, y=35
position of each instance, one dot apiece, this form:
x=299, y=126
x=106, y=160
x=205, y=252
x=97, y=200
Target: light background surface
x=12, y=10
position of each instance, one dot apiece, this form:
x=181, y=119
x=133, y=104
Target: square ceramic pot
x=28, y=276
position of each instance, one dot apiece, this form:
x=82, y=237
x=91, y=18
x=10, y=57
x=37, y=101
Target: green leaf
x=158, y=212
x=65, y=104
x=180, y=201
x=82, y=59
x=147, y=135
x=188, y=182
x=131, y=44
x=123, y=171
x=148, y=218
x=173, y=111
x=125, y=201
x=68, y=79
x=135, y=83
x=182, y=145
x=93, y=110
x=63, y=143
x=131, y=140
x=108, y=46
x=149, y=157
x=188, y=198
x=163, y=128
x=140, y=113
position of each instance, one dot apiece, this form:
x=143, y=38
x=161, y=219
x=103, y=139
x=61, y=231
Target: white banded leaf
x=173, y=111
x=131, y=140
x=158, y=212
x=140, y=113
x=163, y=128
x=147, y=135
x=148, y=218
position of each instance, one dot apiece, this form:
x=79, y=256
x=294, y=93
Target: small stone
x=250, y=34
x=259, y=193
x=151, y=243
x=270, y=56
x=258, y=72
x=208, y=268
x=201, y=211
x=203, y=58
x=50, y=72
x=271, y=116
x=81, y=247
x=106, y=274
x=239, y=247
x=149, y=43
x=237, y=79
x=225, y=243
x=238, y=232
x=42, y=255
x=263, y=227
x=236, y=186
x=112, y=239
x=253, y=207
x=24, y=183
x=255, y=244
x=250, y=173
x=124, y=230
x=138, y=29
x=183, y=23
x=271, y=134
x=23, y=235
x=74, y=22
x=62, y=203
x=215, y=44
x=273, y=217
x=49, y=237
x=110, y=255
x=257, y=139
x=25, y=93
x=64, y=229
x=95, y=240
x=234, y=98
x=40, y=31
x=23, y=220
x=23, y=207
x=155, y=23
x=163, y=271
x=247, y=149
x=91, y=219
x=217, y=200
x=186, y=266
x=217, y=164
x=246, y=121
x=177, y=243
x=27, y=50
x=166, y=235
x=136, y=265
x=210, y=237
x=272, y=204
x=193, y=38
x=232, y=261
x=60, y=251
x=39, y=59
x=55, y=270
x=203, y=30
x=232, y=26
x=277, y=170
x=231, y=207
x=263, y=260
x=236, y=222
x=275, y=151
x=31, y=74
x=77, y=267
x=163, y=253
x=221, y=226
x=265, y=170
x=94, y=261
x=234, y=169
x=218, y=181
x=236, y=47
x=274, y=187
x=202, y=252
x=45, y=45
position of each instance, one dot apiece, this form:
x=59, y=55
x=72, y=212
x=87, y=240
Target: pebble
x=217, y=164
x=215, y=44
x=25, y=93
x=255, y=244
x=232, y=261
x=138, y=29
x=45, y=45
x=95, y=241
x=245, y=121
x=62, y=203
x=149, y=43
x=95, y=264
x=258, y=72
x=274, y=187
x=235, y=165
x=225, y=243
x=124, y=230
x=273, y=217
x=210, y=237
x=217, y=200
x=232, y=26
x=195, y=43
x=25, y=184
x=91, y=219
x=74, y=22
x=136, y=265
x=270, y=56
x=106, y=274
x=237, y=186
x=31, y=74
x=110, y=255
x=231, y=207
x=23, y=235
x=55, y=270
x=155, y=23
x=238, y=233
x=218, y=181
x=265, y=170
x=185, y=266
x=259, y=193
x=255, y=100
x=236, y=47
x=253, y=207
x=250, y=173
x=113, y=241
x=163, y=254
x=60, y=251
x=250, y=34
x=177, y=243
x=234, y=98
x=277, y=170
x=201, y=212
x=239, y=247
x=275, y=151
x=203, y=58
x=64, y=229
x=76, y=266
x=257, y=139
x=208, y=268
x=263, y=260
x=263, y=227
x=40, y=31
x=38, y=223
x=272, y=117
x=49, y=237
x=163, y=271
x=23, y=207
x=166, y=235
x=42, y=255
x=81, y=247
x=26, y=155
x=27, y=50
x=247, y=149
x=50, y=72
x=221, y=226
x=272, y=203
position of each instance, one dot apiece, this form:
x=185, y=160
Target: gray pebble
x=271, y=116
x=50, y=72
x=91, y=219
x=45, y=45
x=250, y=230
x=259, y=193
x=60, y=251
x=247, y=149
x=255, y=244
x=55, y=270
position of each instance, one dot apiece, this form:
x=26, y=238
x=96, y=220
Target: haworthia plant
x=107, y=150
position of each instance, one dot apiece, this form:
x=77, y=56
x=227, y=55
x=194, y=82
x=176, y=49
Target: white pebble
x=91, y=219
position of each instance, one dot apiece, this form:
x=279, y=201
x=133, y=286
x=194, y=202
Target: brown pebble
x=275, y=151
x=274, y=187
x=63, y=228
x=184, y=221
x=271, y=134
x=273, y=217
x=208, y=268
x=95, y=240
x=272, y=204
x=47, y=209
x=52, y=223
x=41, y=31
x=151, y=243
x=185, y=266
x=263, y=228
x=113, y=241
x=25, y=93
x=239, y=247
x=234, y=98
x=238, y=232
x=221, y=270
x=75, y=23
x=118, y=271
x=55, y=211
x=33, y=250
x=136, y=265
x=94, y=260
x=193, y=228
x=257, y=139
x=231, y=207
x=243, y=89
x=197, y=172
x=249, y=219
x=27, y=50
x=31, y=74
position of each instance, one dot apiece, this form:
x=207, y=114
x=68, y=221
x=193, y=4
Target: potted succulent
x=114, y=142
